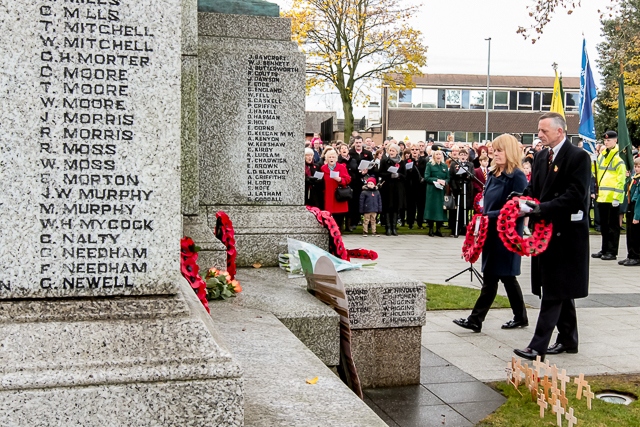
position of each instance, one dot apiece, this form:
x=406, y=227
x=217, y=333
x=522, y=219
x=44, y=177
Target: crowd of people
x=422, y=184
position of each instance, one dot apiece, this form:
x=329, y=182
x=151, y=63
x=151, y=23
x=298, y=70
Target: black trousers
x=633, y=234
x=560, y=313
x=609, y=227
x=354, y=206
x=488, y=295
x=416, y=195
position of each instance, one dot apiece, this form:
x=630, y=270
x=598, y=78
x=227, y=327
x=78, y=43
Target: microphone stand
x=471, y=269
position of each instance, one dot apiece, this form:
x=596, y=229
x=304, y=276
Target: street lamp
x=486, y=103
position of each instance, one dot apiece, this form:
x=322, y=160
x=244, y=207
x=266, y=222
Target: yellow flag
x=556, y=100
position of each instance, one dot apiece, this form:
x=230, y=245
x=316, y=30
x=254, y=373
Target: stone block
x=189, y=136
x=116, y=362
x=92, y=158
x=243, y=27
x=212, y=252
x=276, y=365
x=387, y=357
x=381, y=298
x=311, y=321
x=251, y=122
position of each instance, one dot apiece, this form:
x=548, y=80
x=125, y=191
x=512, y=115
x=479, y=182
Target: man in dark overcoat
x=560, y=181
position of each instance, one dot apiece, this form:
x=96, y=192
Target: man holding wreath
x=560, y=180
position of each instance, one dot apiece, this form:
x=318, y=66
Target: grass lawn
x=523, y=412
x=450, y=297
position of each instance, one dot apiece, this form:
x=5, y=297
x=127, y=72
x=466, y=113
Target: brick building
x=441, y=104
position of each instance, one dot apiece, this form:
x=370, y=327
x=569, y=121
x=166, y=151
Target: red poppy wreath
x=531, y=246
x=473, y=242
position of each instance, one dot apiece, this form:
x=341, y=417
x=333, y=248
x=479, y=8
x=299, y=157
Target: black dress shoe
x=631, y=262
x=622, y=261
x=558, y=348
x=528, y=353
x=464, y=323
x=597, y=255
x=608, y=257
x=511, y=324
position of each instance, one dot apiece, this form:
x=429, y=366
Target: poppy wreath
x=363, y=254
x=225, y=233
x=189, y=269
x=534, y=245
x=336, y=245
x=476, y=203
x=472, y=246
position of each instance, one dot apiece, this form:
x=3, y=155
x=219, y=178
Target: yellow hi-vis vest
x=611, y=174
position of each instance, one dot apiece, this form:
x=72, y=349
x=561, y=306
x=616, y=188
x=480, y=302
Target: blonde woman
x=436, y=175
x=498, y=263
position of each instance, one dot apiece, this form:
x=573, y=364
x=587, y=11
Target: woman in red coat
x=338, y=209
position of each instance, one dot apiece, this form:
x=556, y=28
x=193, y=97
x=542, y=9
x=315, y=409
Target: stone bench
x=387, y=312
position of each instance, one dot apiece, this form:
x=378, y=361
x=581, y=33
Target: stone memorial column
x=97, y=326
x=251, y=132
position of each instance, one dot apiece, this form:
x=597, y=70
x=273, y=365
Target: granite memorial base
x=143, y=361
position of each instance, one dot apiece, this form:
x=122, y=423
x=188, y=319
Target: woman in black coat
x=498, y=263
x=392, y=188
x=314, y=188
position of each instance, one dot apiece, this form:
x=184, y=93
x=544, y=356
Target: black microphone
x=439, y=146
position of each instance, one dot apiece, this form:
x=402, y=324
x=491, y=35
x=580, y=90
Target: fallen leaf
x=313, y=381
x=256, y=265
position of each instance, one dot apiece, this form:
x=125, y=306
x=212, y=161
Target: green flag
x=624, y=142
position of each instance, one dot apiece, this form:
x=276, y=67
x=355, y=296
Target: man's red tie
x=550, y=157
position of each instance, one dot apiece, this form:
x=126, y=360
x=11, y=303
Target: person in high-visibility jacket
x=611, y=174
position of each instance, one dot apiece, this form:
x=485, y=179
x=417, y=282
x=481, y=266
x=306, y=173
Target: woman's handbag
x=449, y=203
x=343, y=194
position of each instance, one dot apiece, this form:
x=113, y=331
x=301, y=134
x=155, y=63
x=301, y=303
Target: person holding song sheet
x=335, y=175
x=436, y=175
x=498, y=263
x=392, y=175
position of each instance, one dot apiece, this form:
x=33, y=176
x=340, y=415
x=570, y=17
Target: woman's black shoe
x=464, y=323
x=438, y=233
x=430, y=232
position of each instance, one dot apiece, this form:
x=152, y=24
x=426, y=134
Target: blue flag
x=588, y=95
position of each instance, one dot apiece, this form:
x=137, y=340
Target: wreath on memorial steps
x=534, y=245
x=226, y=234
x=474, y=241
x=336, y=245
x=189, y=269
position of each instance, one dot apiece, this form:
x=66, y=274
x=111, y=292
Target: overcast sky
x=455, y=32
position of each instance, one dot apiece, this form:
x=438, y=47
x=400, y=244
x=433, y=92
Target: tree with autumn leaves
x=354, y=45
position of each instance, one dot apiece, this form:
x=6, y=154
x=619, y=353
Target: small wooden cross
x=589, y=395
x=534, y=391
x=545, y=385
x=552, y=401
x=569, y=416
x=559, y=410
x=564, y=379
x=510, y=375
x=539, y=365
x=563, y=399
x=554, y=373
x=542, y=403
x=580, y=382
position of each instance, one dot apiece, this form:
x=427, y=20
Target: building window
x=453, y=99
x=442, y=135
x=429, y=98
x=571, y=101
x=460, y=137
x=404, y=99
x=473, y=136
x=500, y=100
x=527, y=138
x=476, y=99
x=547, y=97
x=525, y=100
